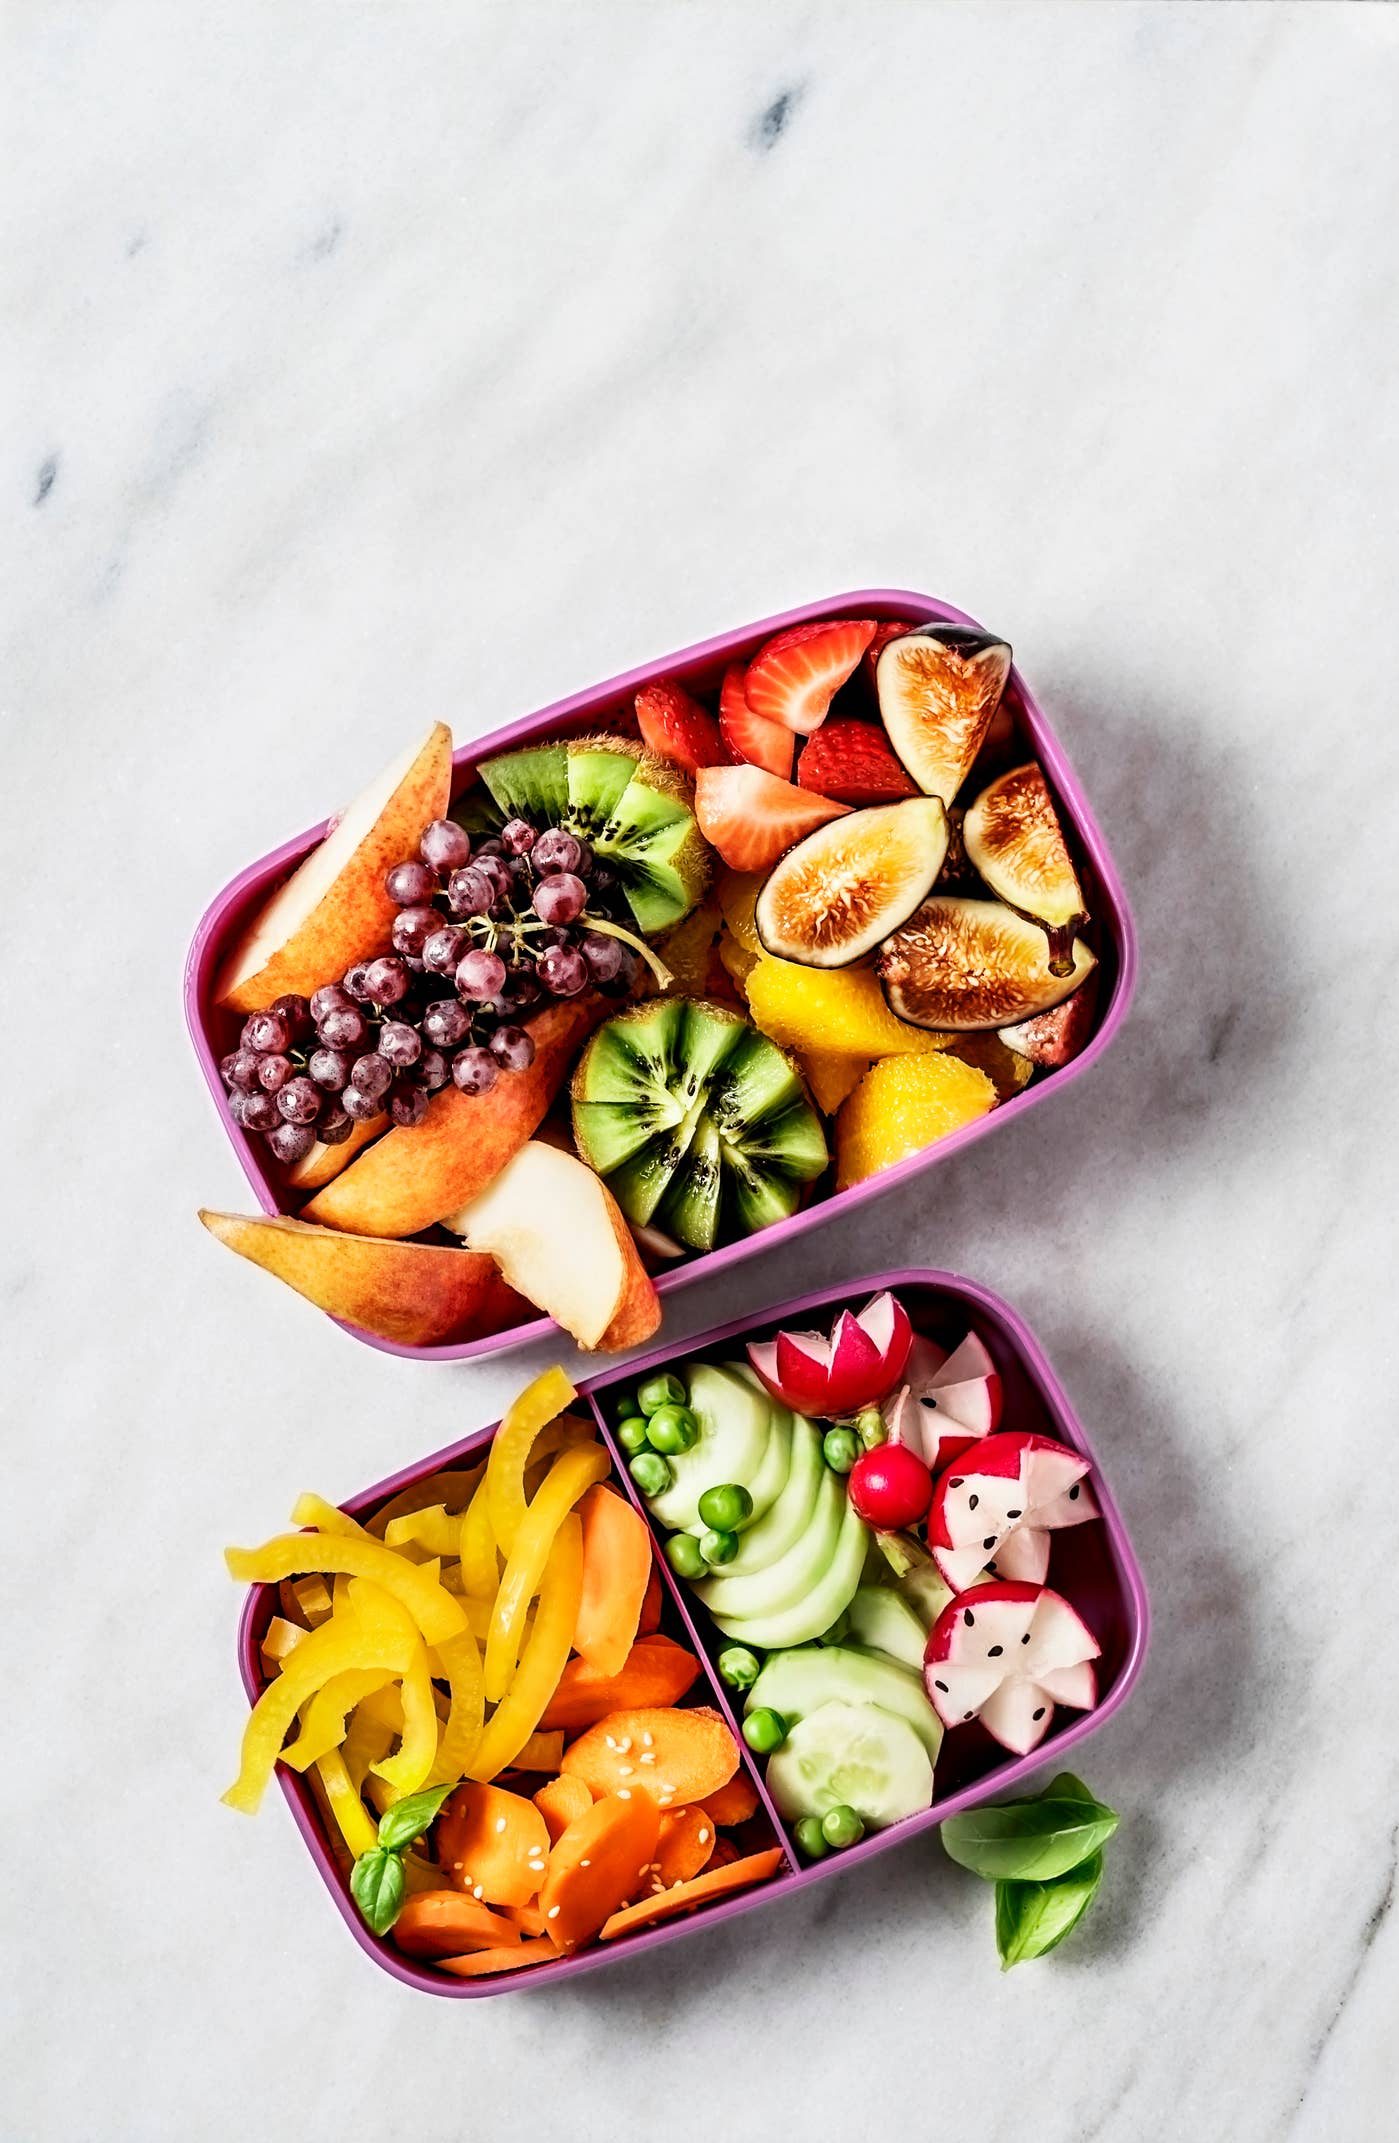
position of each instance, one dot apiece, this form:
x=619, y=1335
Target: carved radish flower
x=997, y=1504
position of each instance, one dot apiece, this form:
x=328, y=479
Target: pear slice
x=960, y=965
x=1013, y=836
x=938, y=689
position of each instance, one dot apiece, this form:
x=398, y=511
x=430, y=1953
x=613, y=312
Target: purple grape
x=358, y=1105
x=602, y=878
x=513, y=1048
x=371, y=1076
x=603, y=954
x=407, y=1103
x=412, y=927
x=335, y=1126
x=470, y=892
x=387, y=979
x=499, y=874
x=445, y=845
x=273, y=1073
x=586, y=860
x=330, y=997
x=330, y=1068
x=265, y=1032
x=556, y=850
x=480, y=975
x=409, y=883
x=517, y=837
x=343, y=1027
x=399, y=1044
x=240, y=1069
x=520, y=992
x=299, y=1101
x=474, y=1070
x=433, y=1070
x=560, y=898
x=446, y=1022
x=259, y=1112
x=357, y=982
x=494, y=847
x=443, y=950
x=296, y=1012
x=292, y=1142
x=563, y=972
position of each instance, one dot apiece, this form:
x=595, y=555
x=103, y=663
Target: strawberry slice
x=794, y=678
x=752, y=818
x=676, y=727
x=894, y=629
x=751, y=737
x=851, y=762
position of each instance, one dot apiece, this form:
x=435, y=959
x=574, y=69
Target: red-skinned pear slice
x=855, y=1366
x=1007, y=1654
x=1013, y=836
x=841, y=891
x=1001, y=1488
x=938, y=689
x=961, y=965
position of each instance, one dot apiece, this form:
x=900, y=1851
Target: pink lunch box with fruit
x=699, y=670
x=1094, y=1572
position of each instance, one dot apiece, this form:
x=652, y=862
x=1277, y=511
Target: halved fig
x=960, y=965
x=1013, y=836
x=1056, y=1037
x=840, y=892
x=938, y=689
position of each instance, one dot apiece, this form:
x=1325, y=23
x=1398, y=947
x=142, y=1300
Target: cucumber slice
x=882, y=1619
x=788, y=1581
x=826, y=1600
x=795, y=1683
x=769, y=1538
x=770, y=1478
x=734, y=1423
x=853, y=1755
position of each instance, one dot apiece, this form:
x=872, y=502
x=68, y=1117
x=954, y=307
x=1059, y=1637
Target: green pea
x=811, y=1838
x=633, y=1434
x=738, y=1666
x=870, y=1428
x=650, y=1473
x=624, y=1405
x=727, y=1507
x=841, y=1826
x=685, y=1556
x=717, y=1547
x=674, y=1428
x=841, y=1448
x=764, y=1730
x=664, y=1390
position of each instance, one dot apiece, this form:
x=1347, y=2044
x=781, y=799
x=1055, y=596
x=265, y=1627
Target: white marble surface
x=372, y=363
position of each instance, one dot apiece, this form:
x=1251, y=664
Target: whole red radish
x=890, y=1488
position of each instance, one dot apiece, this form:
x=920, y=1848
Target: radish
x=997, y=1504
x=862, y=1359
x=1007, y=1658
x=889, y=1487
x=948, y=1401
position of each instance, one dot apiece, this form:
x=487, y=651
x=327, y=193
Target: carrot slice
x=652, y=1600
x=528, y=1918
x=656, y=1671
x=596, y=1864
x=561, y=1802
x=542, y=1752
x=616, y=1572
x=685, y=1844
x=502, y=1960
x=718, y=1882
x=733, y=1803
x=724, y=1854
x=694, y=1754
x=439, y=1923
x=493, y=1844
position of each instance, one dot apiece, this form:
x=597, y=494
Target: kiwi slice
x=530, y=784
x=1014, y=838
x=961, y=965
x=840, y=892
x=938, y=689
x=699, y=1124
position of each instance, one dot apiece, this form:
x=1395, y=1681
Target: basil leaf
x=409, y=1818
x=377, y=1885
x=1029, y=1841
x=1033, y=1918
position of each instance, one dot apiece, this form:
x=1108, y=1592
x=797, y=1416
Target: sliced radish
x=953, y=1401
x=1007, y=1658
x=995, y=1506
x=854, y=1366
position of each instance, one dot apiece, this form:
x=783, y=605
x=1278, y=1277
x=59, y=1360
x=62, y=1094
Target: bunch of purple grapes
x=500, y=926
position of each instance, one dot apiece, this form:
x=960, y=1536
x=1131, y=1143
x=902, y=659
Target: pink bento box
x=1094, y=1566
x=700, y=667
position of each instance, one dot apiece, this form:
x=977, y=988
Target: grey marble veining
x=375, y=364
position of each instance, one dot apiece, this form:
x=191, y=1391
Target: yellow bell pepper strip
x=357, y=1827
x=535, y=1408
x=542, y=1752
x=556, y=1436
x=323, y=1517
x=480, y=1567
x=568, y=1478
x=281, y=1637
x=543, y=1659
x=378, y=1609
x=323, y=1726
x=336, y=1647
x=454, y=1486
x=434, y=1610
x=312, y=1596
x=431, y=1529
x=461, y=1662
x=368, y=1737
x=408, y=1769
x=420, y=1874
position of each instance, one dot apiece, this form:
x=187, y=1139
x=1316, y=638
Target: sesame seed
x=456, y=1867
x=553, y=1912
x=666, y=1799
x=585, y=1863
x=704, y=1837
x=646, y=1740
x=624, y=1744
x=626, y=1771
x=478, y=1892
x=624, y=1793
x=648, y=1756
x=610, y=1742
x=500, y=1823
